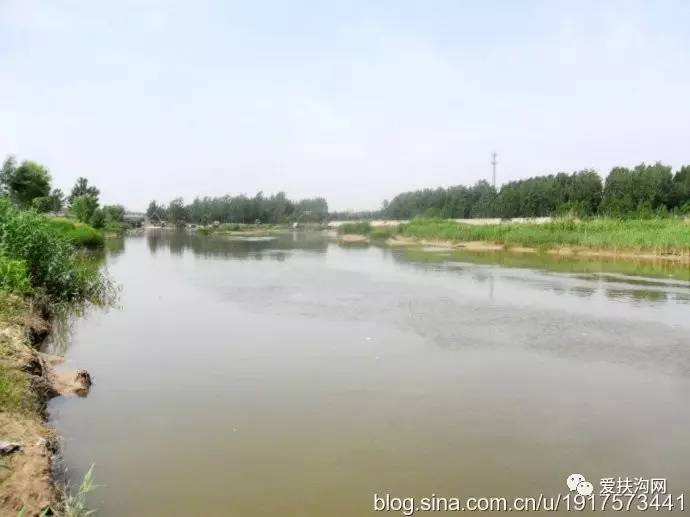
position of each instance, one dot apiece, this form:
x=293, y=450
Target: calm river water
x=295, y=377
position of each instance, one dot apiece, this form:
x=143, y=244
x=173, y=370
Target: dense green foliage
x=82, y=188
x=358, y=228
x=644, y=191
x=14, y=278
x=79, y=234
x=54, y=267
x=578, y=194
x=365, y=228
x=25, y=182
x=457, y=202
x=83, y=207
x=240, y=209
x=114, y=213
x=658, y=235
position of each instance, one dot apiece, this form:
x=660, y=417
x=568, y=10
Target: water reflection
x=667, y=279
x=320, y=374
x=232, y=246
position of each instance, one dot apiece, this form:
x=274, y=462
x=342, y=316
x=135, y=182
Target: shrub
x=83, y=207
x=97, y=218
x=14, y=278
x=42, y=204
x=52, y=264
x=79, y=234
x=361, y=228
x=385, y=232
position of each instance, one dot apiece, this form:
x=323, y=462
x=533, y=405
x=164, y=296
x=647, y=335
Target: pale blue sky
x=352, y=100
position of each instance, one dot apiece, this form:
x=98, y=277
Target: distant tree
x=644, y=190
x=42, y=204
x=25, y=182
x=57, y=199
x=7, y=170
x=619, y=196
x=98, y=218
x=82, y=188
x=584, y=193
x=177, y=212
x=114, y=213
x=83, y=207
x=155, y=211
x=482, y=197
x=681, y=187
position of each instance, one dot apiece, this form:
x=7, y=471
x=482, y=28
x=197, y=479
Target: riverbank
x=43, y=269
x=657, y=239
x=667, y=239
x=28, y=379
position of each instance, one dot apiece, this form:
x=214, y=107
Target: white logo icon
x=574, y=480
x=585, y=488
x=578, y=482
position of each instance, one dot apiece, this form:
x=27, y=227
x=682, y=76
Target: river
x=292, y=376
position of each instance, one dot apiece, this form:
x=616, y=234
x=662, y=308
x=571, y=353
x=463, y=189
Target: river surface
x=295, y=377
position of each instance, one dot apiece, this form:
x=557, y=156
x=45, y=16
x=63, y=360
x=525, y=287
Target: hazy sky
x=355, y=100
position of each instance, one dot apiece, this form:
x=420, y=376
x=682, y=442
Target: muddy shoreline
x=563, y=251
x=27, y=480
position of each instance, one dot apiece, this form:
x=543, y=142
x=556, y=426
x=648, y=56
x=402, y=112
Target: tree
x=8, y=168
x=681, y=187
x=82, y=188
x=26, y=182
x=114, y=213
x=42, y=204
x=98, y=218
x=177, y=212
x=57, y=199
x=155, y=211
x=646, y=189
x=83, y=207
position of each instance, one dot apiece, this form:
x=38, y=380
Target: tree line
x=273, y=209
x=28, y=185
x=643, y=191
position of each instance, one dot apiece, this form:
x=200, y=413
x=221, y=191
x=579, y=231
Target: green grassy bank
x=661, y=236
x=42, y=266
x=365, y=228
x=79, y=234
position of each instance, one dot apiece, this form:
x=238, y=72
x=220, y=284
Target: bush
x=42, y=204
x=83, y=207
x=52, y=264
x=98, y=219
x=14, y=278
x=385, y=232
x=79, y=234
x=362, y=228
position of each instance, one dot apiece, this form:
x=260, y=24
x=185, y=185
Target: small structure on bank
x=134, y=219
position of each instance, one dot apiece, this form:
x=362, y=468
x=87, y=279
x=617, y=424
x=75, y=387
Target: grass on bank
x=16, y=392
x=654, y=235
x=79, y=234
x=365, y=228
x=42, y=255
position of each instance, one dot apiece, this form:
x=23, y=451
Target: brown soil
x=353, y=238
x=481, y=246
x=26, y=478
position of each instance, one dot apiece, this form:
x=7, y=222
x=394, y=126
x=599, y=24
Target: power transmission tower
x=494, y=163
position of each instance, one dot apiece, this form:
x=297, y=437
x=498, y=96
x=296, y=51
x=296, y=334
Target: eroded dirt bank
x=28, y=379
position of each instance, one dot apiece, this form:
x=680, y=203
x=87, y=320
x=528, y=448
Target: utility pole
x=494, y=163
